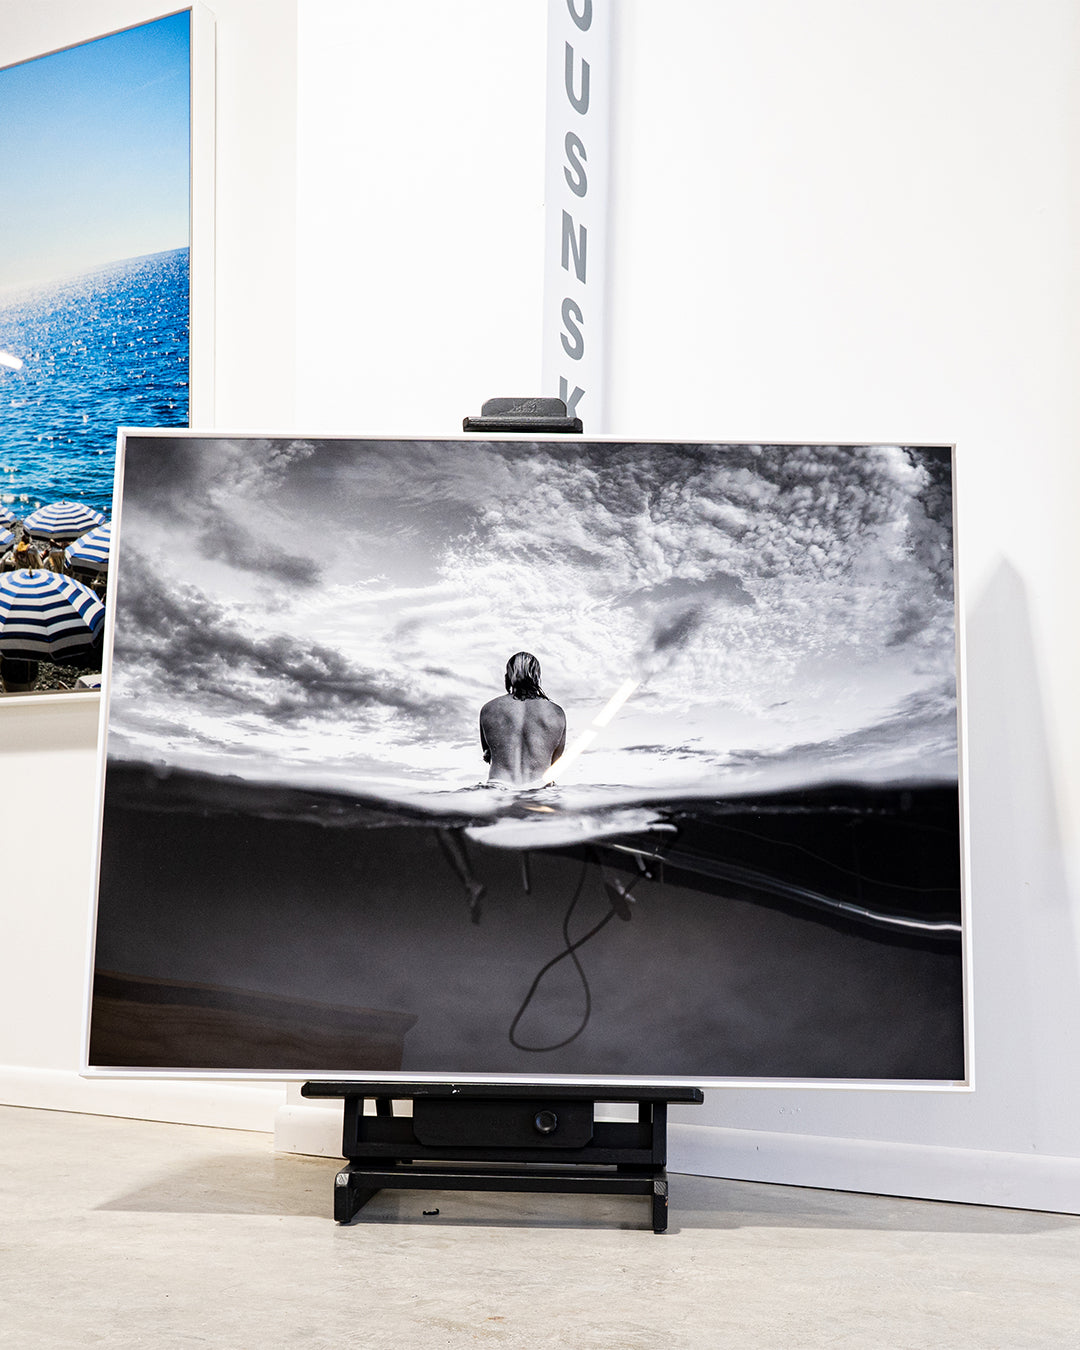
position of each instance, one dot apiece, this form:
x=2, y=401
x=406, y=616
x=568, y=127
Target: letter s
x=575, y=153
x=575, y=346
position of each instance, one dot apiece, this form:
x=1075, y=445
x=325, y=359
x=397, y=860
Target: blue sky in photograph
x=94, y=153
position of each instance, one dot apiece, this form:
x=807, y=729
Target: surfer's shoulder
x=493, y=704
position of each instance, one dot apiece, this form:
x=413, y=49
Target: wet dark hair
x=523, y=676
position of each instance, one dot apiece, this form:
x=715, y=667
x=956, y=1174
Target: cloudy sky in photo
x=337, y=611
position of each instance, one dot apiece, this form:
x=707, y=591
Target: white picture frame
x=206, y=564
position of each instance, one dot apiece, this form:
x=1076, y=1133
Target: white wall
x=850, y=221
x=47, y=835
x=830, y=221
x=420, y=211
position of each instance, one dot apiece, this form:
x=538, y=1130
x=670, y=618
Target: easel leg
x=660, y=1205
x=349, y=1198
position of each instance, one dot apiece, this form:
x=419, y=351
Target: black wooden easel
x=504, y=1136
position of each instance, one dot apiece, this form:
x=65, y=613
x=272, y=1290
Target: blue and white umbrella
x=91, y=552
x=6, y=539
x=6, y=517
x=45, y=616
x=62, y=520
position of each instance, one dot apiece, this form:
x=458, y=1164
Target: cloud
x=371, y=592
x=228, y=498
x=674, y=630
x=202, y=648
x=799, y=553
x=922, y=727
x=179, y=650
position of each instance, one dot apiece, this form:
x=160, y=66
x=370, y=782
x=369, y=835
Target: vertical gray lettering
x=579, y=101
x=571, y=400
x=575, y=153
x=575, y=243
x=575, y=346
x=584, y=19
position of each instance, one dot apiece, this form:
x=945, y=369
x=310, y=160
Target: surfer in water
x=522, y=733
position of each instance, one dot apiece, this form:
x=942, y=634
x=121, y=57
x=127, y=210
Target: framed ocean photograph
x=563, y=759
x=98, y=324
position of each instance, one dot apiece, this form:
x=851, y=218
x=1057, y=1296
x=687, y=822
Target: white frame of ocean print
x=303, y=873
x=69, y=34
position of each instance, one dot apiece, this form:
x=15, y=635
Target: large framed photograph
x=559, y=758
x=97, y=278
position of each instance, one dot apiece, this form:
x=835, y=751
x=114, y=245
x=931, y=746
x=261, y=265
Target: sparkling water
x=102, y=350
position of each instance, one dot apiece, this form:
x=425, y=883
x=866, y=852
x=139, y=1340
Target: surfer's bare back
x=522, y=733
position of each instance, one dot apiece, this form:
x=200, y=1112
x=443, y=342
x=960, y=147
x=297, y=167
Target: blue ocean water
x=102, y=350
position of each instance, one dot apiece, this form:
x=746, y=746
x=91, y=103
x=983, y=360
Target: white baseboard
x=879, y=1167
x=918, y=1171
x=307, y=1127
x=221, y=1102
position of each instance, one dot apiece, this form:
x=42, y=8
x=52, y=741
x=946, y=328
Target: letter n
x=576, y=243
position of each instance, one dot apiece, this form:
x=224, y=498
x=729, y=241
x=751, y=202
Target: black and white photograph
x=564, y=757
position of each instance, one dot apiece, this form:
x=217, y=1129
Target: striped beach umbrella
x=6, y=517
x=91, y=552
x=6, y=539
x=62, y=520
x=46, y=616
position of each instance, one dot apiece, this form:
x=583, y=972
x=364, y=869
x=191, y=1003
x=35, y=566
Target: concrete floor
x=124, y=1233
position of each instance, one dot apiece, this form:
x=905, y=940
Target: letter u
x=580, y=102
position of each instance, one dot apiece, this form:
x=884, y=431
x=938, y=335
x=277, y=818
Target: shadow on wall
x=1022, y=924
x=1023, y=931
x=1026, y=975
